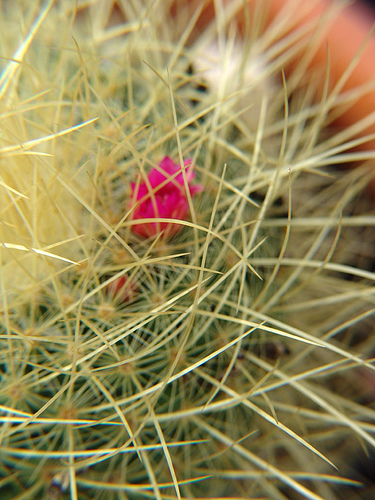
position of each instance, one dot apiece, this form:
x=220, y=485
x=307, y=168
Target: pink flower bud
x=122, y=289
x=169, y=201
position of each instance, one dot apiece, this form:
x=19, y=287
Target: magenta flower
x=168, y=201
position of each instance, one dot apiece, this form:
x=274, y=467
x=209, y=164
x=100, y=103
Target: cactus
x=224, y=353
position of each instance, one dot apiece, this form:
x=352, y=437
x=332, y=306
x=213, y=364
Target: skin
x=344, y=39
x=347, y=33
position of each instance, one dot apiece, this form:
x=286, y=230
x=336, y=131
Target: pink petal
x=168, y=201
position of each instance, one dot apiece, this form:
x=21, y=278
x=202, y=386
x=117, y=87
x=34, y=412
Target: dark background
x=370, y=2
